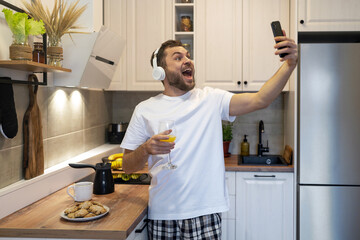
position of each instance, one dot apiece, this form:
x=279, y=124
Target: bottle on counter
x=245, y=147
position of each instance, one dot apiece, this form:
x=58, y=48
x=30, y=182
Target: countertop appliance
x=116, y=132
x=329, y=140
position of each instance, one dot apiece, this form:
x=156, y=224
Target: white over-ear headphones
x=158, y=72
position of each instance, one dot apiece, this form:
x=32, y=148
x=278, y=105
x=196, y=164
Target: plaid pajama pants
x=203, y=227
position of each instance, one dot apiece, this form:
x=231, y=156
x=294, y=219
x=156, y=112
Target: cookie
x=89, y=215
x=85, y=204
x=96, y=209
x=71, y=209
x=81, y=213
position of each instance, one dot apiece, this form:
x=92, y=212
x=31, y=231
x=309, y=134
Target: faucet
x=262, y=149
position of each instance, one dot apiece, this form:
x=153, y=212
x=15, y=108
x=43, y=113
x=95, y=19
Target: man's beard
x=175, y=79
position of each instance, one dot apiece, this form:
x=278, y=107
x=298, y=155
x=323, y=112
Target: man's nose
x=187, y=60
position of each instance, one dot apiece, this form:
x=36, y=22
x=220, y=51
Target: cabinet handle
x=245, y=82
x=139, y=230
x=270, y=176
x=302, y=21
x=238, y=82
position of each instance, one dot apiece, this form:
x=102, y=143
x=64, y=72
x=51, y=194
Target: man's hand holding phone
x=287, y=48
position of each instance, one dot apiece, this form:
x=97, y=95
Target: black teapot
x=103, y=182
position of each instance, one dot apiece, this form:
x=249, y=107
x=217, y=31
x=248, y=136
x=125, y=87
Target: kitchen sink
x=262, y=160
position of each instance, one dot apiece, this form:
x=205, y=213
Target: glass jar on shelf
x=186, y=24
x=56, y=60
x=187, y=46
x=38, y=54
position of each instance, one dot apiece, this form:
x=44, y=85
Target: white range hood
x=92, y=58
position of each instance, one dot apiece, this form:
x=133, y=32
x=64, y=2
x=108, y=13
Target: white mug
x=82, y=191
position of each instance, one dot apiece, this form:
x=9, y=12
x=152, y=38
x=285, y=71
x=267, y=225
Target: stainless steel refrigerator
x=329, y=141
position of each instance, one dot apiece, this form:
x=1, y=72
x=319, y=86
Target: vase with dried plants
x=61, y=20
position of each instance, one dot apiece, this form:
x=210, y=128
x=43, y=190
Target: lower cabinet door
x=228, y=229
x=264, y=206
x=140, y=231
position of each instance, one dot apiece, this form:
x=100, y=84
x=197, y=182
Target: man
x=186, y=202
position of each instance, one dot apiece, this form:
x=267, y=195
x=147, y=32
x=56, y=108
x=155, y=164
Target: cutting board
x=33, y=152
x=288, y=154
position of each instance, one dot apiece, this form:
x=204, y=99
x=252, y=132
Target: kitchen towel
x=8, y=117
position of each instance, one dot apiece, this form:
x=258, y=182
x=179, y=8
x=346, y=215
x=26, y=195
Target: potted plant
x=61, y=20
x=227, y=137
x=21, y=27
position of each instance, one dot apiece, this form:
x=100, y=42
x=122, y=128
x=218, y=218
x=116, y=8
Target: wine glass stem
x=169, y=162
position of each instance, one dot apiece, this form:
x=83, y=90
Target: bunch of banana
x=116, y=160
x=115, y=156
x=117, y=163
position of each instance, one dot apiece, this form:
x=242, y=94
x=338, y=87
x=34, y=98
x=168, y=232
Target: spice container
x=38, y=54
x=188, y=48
x=186, y=24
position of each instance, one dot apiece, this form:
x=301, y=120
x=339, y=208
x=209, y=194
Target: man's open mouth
x=187, y=72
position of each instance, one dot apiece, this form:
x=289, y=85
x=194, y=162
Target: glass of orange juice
x=167, y=125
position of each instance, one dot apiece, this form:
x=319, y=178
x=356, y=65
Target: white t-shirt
x=197, y=186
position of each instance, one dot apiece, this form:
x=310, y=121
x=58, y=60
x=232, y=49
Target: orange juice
x=171, y=139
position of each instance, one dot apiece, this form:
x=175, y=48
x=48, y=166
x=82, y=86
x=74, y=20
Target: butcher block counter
x=128, y=205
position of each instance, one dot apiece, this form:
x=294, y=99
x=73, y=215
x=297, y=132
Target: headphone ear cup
x=158, y=73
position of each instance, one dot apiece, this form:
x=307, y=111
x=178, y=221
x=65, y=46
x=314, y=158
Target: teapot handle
x=78, y=165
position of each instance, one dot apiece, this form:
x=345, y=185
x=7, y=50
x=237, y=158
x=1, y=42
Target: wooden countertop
x=128, y=205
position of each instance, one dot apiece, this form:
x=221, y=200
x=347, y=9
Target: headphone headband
x=155, y=58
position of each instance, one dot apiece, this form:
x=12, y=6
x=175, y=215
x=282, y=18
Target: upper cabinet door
x=328, y=15
x=218, y=45
x=115, y=20
x=259, y=60
x=234, y=42
x=148, y=25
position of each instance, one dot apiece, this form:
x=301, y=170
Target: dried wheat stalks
x=58, y=22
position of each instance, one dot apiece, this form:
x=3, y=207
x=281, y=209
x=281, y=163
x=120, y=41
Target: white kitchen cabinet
x=328, y=15
x=92, y=18
x=234, y=42
x=228, y=218
x=264, y=206
x=115, y=16
x=259, y=60
x=140, y=232
x=183, y=29
x=144, y=25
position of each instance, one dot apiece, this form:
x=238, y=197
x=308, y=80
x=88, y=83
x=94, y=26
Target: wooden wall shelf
x=31, y=66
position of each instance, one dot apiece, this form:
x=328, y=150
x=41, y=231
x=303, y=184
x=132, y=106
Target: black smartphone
x=277, y=31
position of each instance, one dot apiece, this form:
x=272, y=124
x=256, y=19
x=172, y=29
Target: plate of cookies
x=84, y=211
